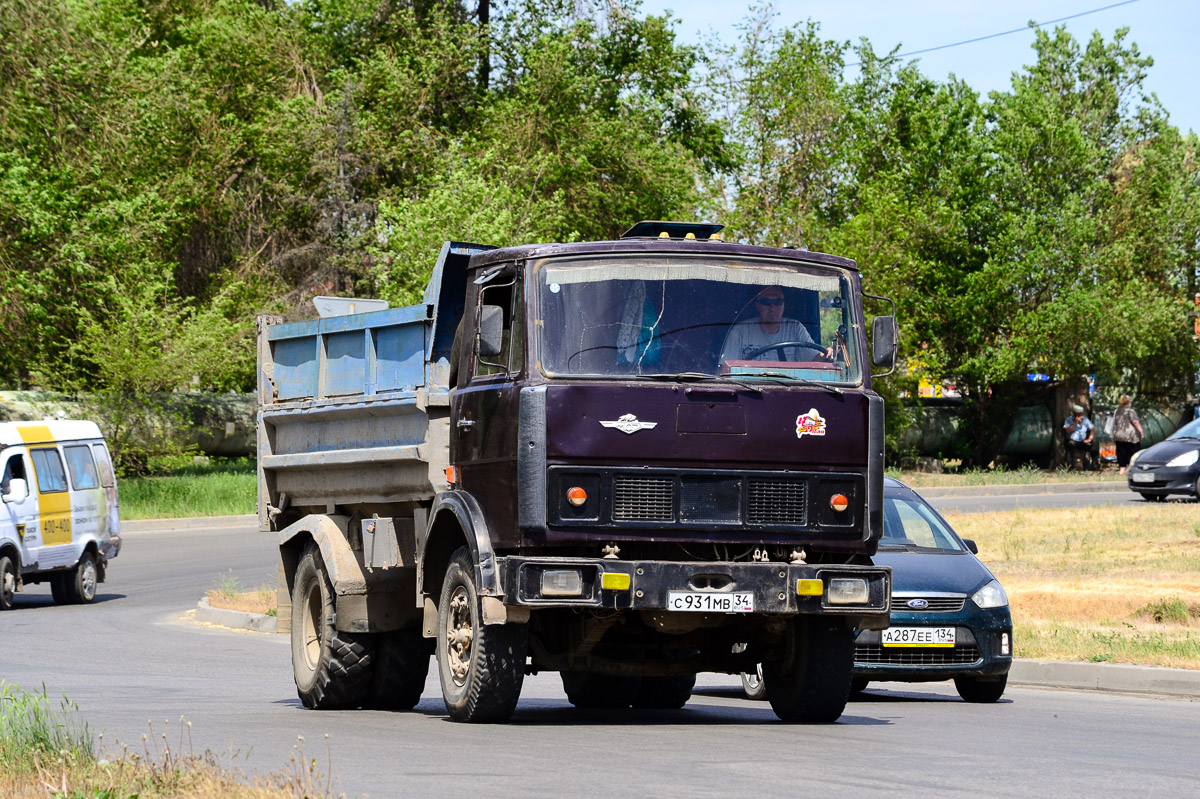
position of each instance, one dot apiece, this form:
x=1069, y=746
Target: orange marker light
x=839, y=502
x=451, y=474
x=576, y=496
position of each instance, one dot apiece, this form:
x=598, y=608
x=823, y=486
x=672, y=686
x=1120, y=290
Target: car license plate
x=702, y=602
x=918, y=636
x=1143, y=477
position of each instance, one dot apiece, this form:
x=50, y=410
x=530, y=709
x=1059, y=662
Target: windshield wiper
x=705, y=376
x=801, y=380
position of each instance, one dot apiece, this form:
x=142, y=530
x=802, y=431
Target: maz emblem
x=629, y=424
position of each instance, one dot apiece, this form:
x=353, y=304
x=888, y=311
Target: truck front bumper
x=774, y=588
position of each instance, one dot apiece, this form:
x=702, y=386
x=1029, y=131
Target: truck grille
x=915, y=656
x=637, y=498
x=710, y=499
x=777, y=502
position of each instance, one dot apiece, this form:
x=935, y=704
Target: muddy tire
x=332, y=669
x=600, y=691
x=664, y=693
x=980, y=690
x=81, y=581
x=481, y=667
x=8, y=582
x=401, y=666
x=753, y=684
x=812, y=683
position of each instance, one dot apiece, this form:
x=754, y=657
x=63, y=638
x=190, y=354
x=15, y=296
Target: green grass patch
x=32, y=729
x=1002, y=475
x=220, y=487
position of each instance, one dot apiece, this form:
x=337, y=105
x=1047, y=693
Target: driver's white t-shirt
x=746, y=337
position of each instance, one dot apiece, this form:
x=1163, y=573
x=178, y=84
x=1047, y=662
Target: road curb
x=1027, y=488
x=193, y=523
x=237, y=619
x=1115, y=677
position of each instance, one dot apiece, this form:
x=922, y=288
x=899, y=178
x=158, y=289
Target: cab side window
x=106, y=469
x=83, y=470
x=14, y=469
x=49, y=470
x=506, y=296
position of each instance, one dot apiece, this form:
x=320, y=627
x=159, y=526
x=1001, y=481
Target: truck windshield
x=723, y=317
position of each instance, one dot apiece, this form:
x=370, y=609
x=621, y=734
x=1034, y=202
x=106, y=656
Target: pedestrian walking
x=1127, y=431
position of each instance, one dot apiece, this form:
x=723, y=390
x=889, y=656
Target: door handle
x=467, y=423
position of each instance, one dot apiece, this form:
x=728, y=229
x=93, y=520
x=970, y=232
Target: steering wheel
x=779, y=347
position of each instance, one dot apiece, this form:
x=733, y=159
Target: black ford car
x=950, y=617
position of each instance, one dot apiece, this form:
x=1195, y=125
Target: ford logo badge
x=918, y=604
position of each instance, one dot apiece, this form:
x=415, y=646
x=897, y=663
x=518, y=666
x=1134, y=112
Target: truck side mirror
x=491, y=329
x=18, y=491
x=883, y=342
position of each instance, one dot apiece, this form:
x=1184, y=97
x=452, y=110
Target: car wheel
x=58, y=587
x=753, y=685
x=481, y=667
x=601, y=691
x=8, y=582
x=1196, y=488
x=811, y=684
x=981, y=689
x=81, y=581
x=858, y=685
x=333, y=669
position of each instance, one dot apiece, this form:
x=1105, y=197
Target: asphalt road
x=980, y=501
x=135, y=665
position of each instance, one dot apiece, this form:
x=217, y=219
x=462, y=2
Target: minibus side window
x=83, y=470
x=106, y=470
x=49, y=470
x=13, y=470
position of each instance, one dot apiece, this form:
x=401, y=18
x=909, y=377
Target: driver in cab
x=772, y=336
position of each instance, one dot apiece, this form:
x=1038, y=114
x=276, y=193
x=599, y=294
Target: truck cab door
x=54, y=508
x=485, y=406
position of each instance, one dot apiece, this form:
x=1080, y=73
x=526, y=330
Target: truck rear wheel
x=81, y=581
x=600, y=691
x=401, y=666
x=8, y=582
x=665, y=693
x=812, y=683
x=332, y=668
x=481, y=667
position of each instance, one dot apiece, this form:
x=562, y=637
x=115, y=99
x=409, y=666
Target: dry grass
x=1003, y=476
x=1101, y=583
x=256, y=600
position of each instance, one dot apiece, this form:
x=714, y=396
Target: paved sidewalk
x=144, y=525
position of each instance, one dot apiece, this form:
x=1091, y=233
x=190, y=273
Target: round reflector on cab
x=576, y=496
x=839, y=502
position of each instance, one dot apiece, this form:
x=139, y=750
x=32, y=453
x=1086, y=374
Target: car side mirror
x=883, y=342
x=491, y=329
x=971, y=546
x=18, y=491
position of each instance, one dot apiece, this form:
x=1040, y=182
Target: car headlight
x=1186, y=459
x=991, y=596
x=1135, y=456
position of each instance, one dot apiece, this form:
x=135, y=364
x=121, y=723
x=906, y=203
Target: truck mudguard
x=439, y=541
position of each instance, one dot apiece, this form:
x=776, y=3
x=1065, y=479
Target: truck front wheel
x=481, y=667
x=332, y=668
x=812, y=683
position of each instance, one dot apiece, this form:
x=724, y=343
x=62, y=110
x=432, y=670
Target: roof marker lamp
x=848, y=591
x=990, y=596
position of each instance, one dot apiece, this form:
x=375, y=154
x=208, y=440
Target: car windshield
x=1189, y=430
x=908, y=523
x=697, y=317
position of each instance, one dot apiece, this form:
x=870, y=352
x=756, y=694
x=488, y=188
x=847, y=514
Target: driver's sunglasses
x=770, y=301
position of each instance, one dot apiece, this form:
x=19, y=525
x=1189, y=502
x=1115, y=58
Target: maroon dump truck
x=625, y=461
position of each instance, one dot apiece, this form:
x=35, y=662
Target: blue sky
x=1167, y=30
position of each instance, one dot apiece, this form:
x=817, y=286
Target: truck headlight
x=848, y=591
x=562, y=582
x=991, y=596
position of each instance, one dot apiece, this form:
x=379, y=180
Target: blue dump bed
x=353, y=410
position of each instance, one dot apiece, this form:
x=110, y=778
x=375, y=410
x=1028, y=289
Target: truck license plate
x=918, y=636
x=738, y=602
x=1143, y=477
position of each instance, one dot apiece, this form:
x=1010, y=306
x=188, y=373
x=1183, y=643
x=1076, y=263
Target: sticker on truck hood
x=810, y=424
x=629, y=424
